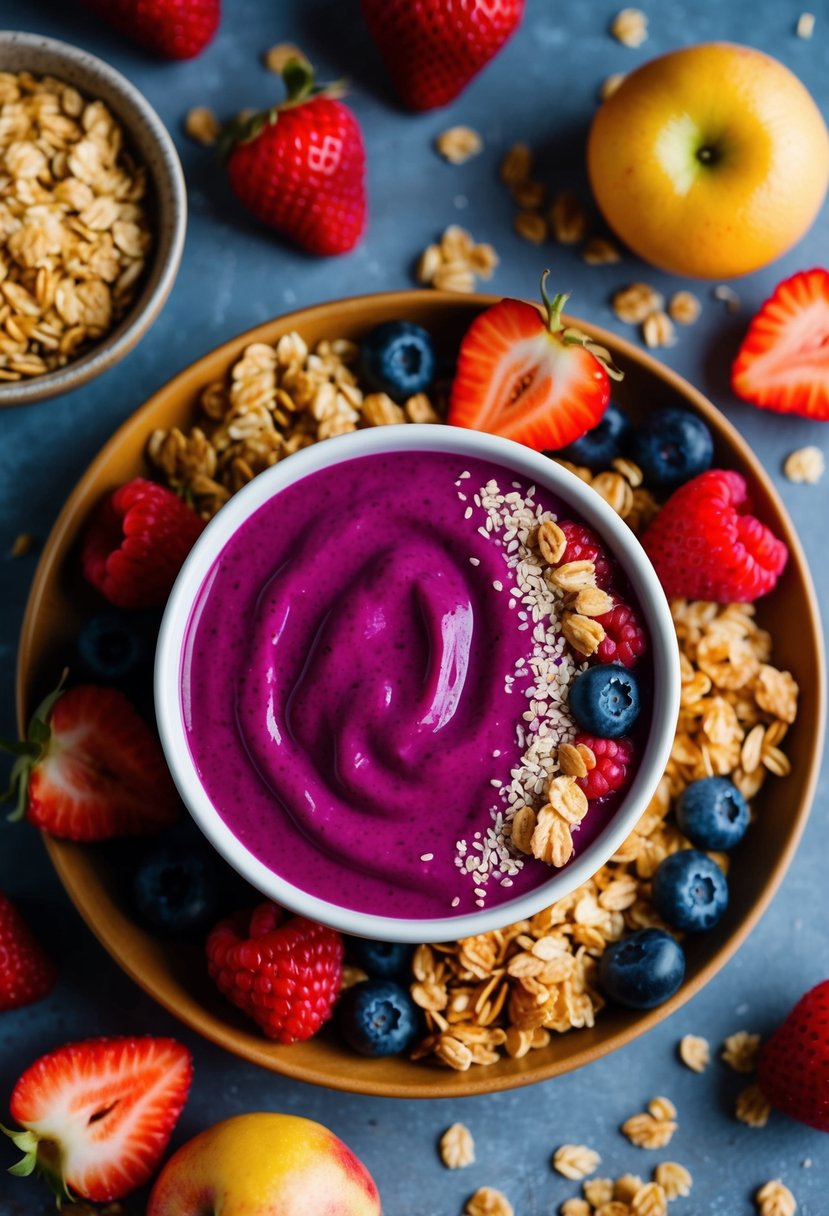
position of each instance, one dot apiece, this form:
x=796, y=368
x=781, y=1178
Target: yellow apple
x=264, y=1165
x=709, y=161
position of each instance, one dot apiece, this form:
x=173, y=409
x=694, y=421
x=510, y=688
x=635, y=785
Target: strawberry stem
x=29, y=751
x=300, y=86
x=572, y=336
x=40, y=1156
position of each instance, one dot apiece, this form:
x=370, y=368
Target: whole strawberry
x=433, y=48
x=26, y=974
x=793, y=1069
x=705, y=544
x=174, y=29
x=300, y=168
x=283, y=971
x=136, y=542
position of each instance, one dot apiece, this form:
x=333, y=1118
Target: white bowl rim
x=538, y=469
x=137, y=320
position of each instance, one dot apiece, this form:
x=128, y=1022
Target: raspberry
x=705, y=546
x=583, y=545
x=136, y=543
x=283, y=971
x=625, y=639
x=613, y=757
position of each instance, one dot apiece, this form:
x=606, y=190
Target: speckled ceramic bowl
x=152, y=146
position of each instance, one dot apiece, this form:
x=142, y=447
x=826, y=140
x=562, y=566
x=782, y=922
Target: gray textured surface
x=542, y=89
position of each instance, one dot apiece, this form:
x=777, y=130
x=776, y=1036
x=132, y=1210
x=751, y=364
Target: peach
x=264, y=1164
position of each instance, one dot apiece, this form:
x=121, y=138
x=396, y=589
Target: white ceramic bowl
x=525, y=463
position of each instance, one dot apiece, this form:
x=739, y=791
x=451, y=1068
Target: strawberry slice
x=98, y=1115
x=783, y=363
x=524, y=376
x=91, y=769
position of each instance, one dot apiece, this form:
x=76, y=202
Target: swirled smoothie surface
x=343, y=684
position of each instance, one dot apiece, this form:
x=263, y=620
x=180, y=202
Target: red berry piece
x=433, y=49
x=793, y=1069
x=613, y=760
x=705, y=545
x=283, y=971
x=98, y=1114
x=26, y=974
x=783, y=363
x=300, y=167
x=583, y=545
x=174, y=29
x=523, y=374
x=624, y=639
x=91, y=769
x=136, y=543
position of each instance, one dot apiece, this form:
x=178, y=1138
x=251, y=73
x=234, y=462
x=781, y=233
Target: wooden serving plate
x=174, y=974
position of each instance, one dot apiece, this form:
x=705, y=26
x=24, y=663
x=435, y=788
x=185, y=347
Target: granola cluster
x=277, y=399
x=74, y=231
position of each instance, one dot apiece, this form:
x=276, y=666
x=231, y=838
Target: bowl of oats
x=533, y=997
x=93, y=211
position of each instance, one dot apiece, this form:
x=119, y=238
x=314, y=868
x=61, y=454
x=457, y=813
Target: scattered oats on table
x=75, y=230
x=674, y=1179
x=600, y=251
x=684, y=307
x=453, y=263
x=598, y=1191
x=658, y=330
x=458, y=144
x=806, y=465
x=575, y=1161
x=610, y=85
x=634, y=303
x=457, y=1148
x=694, y=1052
x=516, y=165
x=202, y=125
x=531, y=227
x=568, y=218
x=646, y=1131
x=752, y=1107
x=649, y=1200
x=630, y=27
x=805, y=25
x=487, y=1201
x=22, y=544
x=739, y=1051
x=775, y=1199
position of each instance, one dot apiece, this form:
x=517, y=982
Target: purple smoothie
x=343, y=684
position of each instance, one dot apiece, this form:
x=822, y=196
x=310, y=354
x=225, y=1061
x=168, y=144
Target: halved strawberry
x=523, y=375
x=98, y=1114
x=783, y=363
x=91, y=769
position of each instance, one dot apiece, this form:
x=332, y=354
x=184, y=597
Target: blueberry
x=689, y=891
x=112, y=648
x=670, y=447
x=397, y=358
x=712, y=813
x=384, y=959
x=597, y=447
x=175, y=892
x=641, y=971
x=378, y=1018
x=604, y=700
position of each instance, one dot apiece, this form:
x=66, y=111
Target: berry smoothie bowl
x=384, y=693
